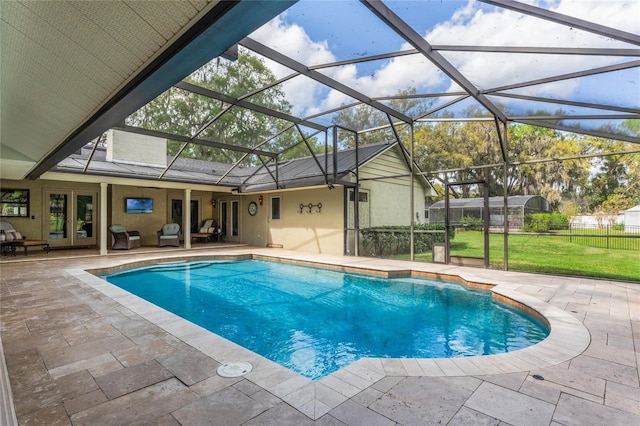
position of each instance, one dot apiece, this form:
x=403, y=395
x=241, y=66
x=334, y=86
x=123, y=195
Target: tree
x=459, y=145
x=617, y=202
x=184, y=113
x=553, y=180
x=363, y=117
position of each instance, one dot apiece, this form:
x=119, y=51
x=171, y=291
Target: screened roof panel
x=488, y=70
x=570, y=51
x=481, y=24
x=526, y=107
x=316, y=32
x=593, y=89
x=463, y=108
x=177, y=111
x=597, y=11
x=389, y=77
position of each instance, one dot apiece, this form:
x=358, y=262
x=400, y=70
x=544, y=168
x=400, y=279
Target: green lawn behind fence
x=547, y=255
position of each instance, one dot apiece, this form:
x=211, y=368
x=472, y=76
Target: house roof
x=305, y=171
x=294, y=173
x=512, y=201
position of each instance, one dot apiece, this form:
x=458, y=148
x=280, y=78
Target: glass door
x=58, y=219
x=194, y=214
x=230, y=219
x=69, y=218
x=84, y=224
x=223, y=219
x=275, y=235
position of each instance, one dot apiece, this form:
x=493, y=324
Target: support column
x=412, y=255
x=486, y=217
x=187, y=218
x=104, y=234
x=505, y=229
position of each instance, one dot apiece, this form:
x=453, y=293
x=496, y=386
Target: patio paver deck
x=80, y=351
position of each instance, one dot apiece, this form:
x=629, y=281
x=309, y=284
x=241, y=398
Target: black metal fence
x=617, y=236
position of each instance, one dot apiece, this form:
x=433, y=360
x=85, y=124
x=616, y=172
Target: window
x=363, y=197
x=14, y=203
x=275, y=208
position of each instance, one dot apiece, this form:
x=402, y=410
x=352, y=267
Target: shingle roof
x=295, y=173
x=512, y=201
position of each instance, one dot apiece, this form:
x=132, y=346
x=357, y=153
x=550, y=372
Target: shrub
x=558, y=221
x=390, y=240
x=545, y=222
x=472, y=222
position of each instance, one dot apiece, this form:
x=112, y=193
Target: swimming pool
x=316, y=321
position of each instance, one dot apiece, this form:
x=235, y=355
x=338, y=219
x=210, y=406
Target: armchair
x=123, y=239
x=169, y=235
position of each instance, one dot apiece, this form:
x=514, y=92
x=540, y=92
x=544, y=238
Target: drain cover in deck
x=234, y=369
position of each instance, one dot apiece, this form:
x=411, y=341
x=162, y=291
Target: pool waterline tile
x=270, y=375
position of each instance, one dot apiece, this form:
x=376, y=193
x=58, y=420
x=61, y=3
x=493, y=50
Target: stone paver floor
x=79, y=351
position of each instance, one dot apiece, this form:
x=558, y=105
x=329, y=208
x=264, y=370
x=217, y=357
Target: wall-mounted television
x=139, y=205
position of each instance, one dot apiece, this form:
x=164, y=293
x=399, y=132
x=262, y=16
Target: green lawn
x=548, y=255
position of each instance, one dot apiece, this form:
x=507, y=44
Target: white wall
x=597, y=220
x=632, y=219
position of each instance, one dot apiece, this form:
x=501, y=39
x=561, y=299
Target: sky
x=321, y=31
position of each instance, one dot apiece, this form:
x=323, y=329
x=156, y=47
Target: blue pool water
x=316, y=321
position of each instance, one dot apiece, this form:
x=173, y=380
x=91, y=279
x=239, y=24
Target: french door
x=177, y=214
x=230, y=219
x=69, y=218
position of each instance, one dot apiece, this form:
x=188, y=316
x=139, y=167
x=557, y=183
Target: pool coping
x=567, y=339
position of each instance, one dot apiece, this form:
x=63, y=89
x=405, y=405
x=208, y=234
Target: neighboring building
x=66, y=205
x=597, y=220
x=518, y=206
x=632, y=219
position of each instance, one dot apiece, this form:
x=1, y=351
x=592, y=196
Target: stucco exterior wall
x=34, y=226
x=149, y=223
x=309, y=232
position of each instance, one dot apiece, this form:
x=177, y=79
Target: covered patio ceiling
x=73, y=69
x=576, y=72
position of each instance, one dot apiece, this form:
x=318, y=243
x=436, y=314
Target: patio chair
x=169, y=235
x=123, y=239
x=205, y=232
x=10, y=239
x=209, y=231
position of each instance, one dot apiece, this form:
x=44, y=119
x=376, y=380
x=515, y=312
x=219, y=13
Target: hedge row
x=545, y=222
x=384, y=241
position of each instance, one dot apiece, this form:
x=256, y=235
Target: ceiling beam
x=567, y=102
x=189, y=87
x=581, y=51
x=580, y=130
x=403, y=29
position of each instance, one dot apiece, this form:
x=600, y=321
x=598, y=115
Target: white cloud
x=503, y=27
x=469, y=25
